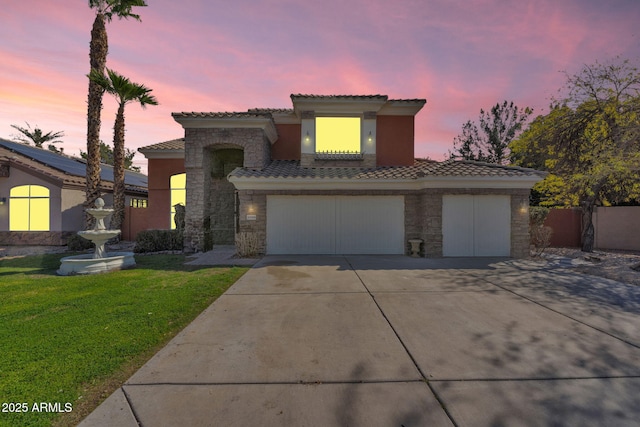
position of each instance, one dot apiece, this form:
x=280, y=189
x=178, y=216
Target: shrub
x=537, y=215
x=75, y=243
x=247, y=244
x=539, y=234
x=158, y=241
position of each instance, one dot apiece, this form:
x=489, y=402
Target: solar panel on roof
x=69, y=165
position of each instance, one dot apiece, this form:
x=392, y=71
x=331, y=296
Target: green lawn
x=74, y=340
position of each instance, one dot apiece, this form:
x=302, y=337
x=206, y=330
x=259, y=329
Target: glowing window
x=29, y=208
x=178, y=194
x=138, y=203
x=338, y=134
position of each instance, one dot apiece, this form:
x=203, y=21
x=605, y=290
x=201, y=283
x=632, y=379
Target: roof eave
x=162, y=154
x=281, y=183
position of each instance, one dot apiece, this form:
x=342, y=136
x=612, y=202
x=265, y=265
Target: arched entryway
x=220, y=224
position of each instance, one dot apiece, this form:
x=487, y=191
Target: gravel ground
x=622, y=266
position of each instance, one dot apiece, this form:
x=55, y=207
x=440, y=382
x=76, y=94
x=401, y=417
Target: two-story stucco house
x=335, y=175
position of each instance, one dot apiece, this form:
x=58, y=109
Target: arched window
x=29, y=208
x=178, y=194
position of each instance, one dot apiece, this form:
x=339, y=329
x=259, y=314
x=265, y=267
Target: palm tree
x=37, y=136
x=125, y=91
x=98, y=49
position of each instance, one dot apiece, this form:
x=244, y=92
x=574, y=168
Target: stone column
x=520, y=238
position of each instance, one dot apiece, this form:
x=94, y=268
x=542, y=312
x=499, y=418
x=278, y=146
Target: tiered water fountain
x=101, y=260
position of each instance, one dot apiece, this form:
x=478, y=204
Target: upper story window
x=29, y=208
x=338, y=135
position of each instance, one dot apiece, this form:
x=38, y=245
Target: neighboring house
x=335, y=175
x=42, y=193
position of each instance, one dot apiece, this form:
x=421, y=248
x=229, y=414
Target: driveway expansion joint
x=330, y=382
x=413, y=360
x=133, y=411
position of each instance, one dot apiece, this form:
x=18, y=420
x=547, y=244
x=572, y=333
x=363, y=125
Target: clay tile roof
x=409, y=101
x=354, y=97
x=421, y=168
x=174, y=144
x=270, y=110
x=473, y=168
x=221, y=115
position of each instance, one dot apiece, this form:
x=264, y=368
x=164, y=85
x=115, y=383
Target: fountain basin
x=87, y=264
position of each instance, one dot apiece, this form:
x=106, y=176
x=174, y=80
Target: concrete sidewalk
x=384, y=340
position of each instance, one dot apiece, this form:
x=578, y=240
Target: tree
x=38, y=137
x=589, y=142
x=98, y=49
x=125, y=91
x=489, y=141
x=106, y=157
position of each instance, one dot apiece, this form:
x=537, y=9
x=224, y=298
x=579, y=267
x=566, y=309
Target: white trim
x=380, y=184
x=401, y=108
x=334, y=107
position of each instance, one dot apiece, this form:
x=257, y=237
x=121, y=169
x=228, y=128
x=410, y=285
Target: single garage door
x=476, y=225
x=335, y=224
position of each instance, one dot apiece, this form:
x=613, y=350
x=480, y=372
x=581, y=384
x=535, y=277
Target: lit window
x=178, y=194
x=338, y=134
x=138, y=203
x=29, y=208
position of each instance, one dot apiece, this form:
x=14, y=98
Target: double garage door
x=472, y=225
x=476, y=225
x=335, y=225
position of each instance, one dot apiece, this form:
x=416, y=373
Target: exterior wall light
x=524, y=208
x=307, y=138
x=370, y=138
x=3, y=200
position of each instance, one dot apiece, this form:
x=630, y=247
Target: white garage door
x=476, y=225
x=335, y=224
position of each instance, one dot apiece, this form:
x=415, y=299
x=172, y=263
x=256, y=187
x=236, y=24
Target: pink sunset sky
x=204, y=55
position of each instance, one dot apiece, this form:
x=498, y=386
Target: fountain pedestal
x=100, y=261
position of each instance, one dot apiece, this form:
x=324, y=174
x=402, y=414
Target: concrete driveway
x=396, y=341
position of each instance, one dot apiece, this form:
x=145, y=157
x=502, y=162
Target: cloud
x=224, y=56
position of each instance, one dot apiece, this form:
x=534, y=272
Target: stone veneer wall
x=199, y=145
x=423, y=214
x=35, y=238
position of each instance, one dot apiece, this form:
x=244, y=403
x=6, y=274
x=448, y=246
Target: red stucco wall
x=566, y=225
x=287, y=147
x=160, y=171
x=394, y=140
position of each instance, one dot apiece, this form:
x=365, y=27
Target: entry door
x=335, y=224
x=476, y=225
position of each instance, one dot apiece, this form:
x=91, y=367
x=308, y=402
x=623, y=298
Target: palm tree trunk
x=97, y=58
x=118, y=170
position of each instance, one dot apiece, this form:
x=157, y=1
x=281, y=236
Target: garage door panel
x=300, y=227
x=492, y=224
x=335, y=224
x=476, y=225
x=368, y=225
x=457, y=225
